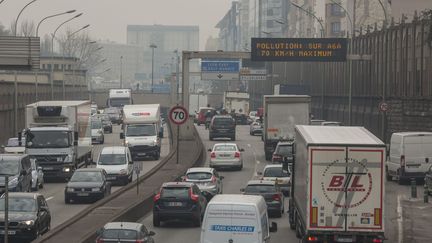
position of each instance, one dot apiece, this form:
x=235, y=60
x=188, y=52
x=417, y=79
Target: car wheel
x=130, y=178
x=41, y=185
x=210, y=138
x=156, y=221
x=197, y=221
x=233, y=138
x=67, y=200
x=297, y=230
x=279, y=214
x=157, y=156
x=36, y=233
x=388, y=177
x=399, y=179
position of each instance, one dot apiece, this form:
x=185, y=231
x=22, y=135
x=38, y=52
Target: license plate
x=345, y=239
x=111, y=178
x=48, y=168
x=82, y=194
x=225, y=155
x=142, y=154
x=10, y=232
x=175, y=204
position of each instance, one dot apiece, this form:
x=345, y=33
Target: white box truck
x=119, y=98
x=58, y=136
x=337, y=192
x=281, y=114
x=142, y=134
x=237, y=102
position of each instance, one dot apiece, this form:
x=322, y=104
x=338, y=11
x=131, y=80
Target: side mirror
x=209, y=150
x=99, y=231
x=44, y=209
x=242, y=190
x=39, y=168
x=273, y=227
x=207, y=195
x=122, y=135
x=131, y=162
x=151, y=233
x=241, y=150
x=259, y=173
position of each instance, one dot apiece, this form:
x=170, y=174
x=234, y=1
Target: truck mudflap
x=354, y=237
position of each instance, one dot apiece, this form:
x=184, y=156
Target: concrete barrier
x=125, y=204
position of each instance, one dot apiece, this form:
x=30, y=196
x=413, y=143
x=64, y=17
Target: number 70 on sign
x=178, y=115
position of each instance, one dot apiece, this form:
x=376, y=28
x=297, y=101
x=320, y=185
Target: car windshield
x=13, y=142
x=140, y=130
x=96, y=124
x=47, y=139
x=119, y=102
x=284, y=150
x=175, y=192
x=229, y=148
x=275, y=172
x=199, y=176
x=86, y=176
x=9, y=166
x=19, y=204
x=223, y=121
x=260, y=188
x=120, y=234
x=112, y=159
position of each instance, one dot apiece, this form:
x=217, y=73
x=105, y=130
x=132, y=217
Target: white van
x=410, y=155
x=236, y=218
x=117, y=162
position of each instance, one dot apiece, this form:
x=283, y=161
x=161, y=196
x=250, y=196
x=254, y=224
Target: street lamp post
x=52, y=52
x=51, y=16
x=16, y=21
x=121, y=72
x=152, y=46
x=177, y=74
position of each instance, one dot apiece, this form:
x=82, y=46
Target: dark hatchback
x=29, y=216
x=271, y=193
x=222, y=127
x=179, y=200
x=87, y=184
x=283, y=150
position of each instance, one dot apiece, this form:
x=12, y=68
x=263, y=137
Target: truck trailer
x=237, y=102
x=337, y=192
x=58, y=136
x=281, y=114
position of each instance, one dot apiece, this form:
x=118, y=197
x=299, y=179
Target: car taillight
x=237, y=154
x=139, y=241
x=99, y=241
x=276, y=197
x=213, y=179
x=156, y=197
x=275, y=156
x=312, y=238
x=194, y=197
x=377, y=240
x=402, y=160
x=213, y=155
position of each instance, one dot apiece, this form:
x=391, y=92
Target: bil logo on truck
x=346, y=186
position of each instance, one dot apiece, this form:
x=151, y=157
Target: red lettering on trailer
x=337, y=181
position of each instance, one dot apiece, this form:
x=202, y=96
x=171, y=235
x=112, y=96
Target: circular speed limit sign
x=178, y=115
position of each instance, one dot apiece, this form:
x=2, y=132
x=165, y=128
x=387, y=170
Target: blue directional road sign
x=220, y=70
x=161, y=88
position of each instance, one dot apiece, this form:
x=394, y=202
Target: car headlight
x=66, y=169
x=123, y=172
x=96, y=189
x=69, y=189
x=28, y=222
x=13, y=182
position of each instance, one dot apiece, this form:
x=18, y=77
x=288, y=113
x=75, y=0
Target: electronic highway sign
x=299, y=49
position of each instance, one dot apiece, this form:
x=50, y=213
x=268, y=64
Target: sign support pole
x=177, y=145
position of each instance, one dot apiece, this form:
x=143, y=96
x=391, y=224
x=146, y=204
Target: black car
x=222, y=126
x=124, y=232
x=106, y=122
x=18, y=167
x=271, y=192
x=87, y=183
x=179, y=200
x=283, y=150
x=28, y=214
x=114, y=114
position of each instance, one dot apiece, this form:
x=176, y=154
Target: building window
x=43, y=66
x=335, y=10
x=270, y=12
x=270, y=23
x=49, y=66
x=56, y=66
x=70, y=67
x=335, y=27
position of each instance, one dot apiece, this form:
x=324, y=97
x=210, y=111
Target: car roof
x=51, y=128
x=90, y=169
x=273, y=166
x=178, y=184
x=285, y=143
x=123, y=225
x=33, y=195
x=261, y=182
x=113, y=150
x=222, y=116
x=224, y=144
x=238, y=199
x=412, y=133
x=200, y=169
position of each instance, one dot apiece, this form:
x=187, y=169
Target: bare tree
x=4, y=31
x=27, y=28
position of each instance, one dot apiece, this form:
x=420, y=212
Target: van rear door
x=231, y=223
x=418, y=152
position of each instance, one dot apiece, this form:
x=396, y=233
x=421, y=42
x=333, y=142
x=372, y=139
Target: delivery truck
x=119, y=98
x=142, y=133
x=237, y=102
x=281, y=114
x=58, y=136
x=337, y=192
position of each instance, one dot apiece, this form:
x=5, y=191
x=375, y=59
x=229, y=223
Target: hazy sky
x=109, y=18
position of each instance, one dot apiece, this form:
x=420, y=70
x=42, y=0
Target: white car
x=275, y=173
x=207, y=179
x=37, y=176
x=97, y=131
x=225, y=155
x=14, y=147
x=118, y=164
x=331, y=123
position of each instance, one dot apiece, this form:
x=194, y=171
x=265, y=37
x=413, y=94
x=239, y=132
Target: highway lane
x=54, y=191
x=173, y=232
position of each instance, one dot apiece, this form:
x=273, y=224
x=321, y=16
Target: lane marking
x=400, y=219
x=49, y=198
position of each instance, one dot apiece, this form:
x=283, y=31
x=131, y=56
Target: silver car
x=255, y=128
x=226, y=155
x=37, y=177
x=276, y=173
x=97, y=131
x=207, y=179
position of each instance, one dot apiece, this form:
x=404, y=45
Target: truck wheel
x=267, y=156
x=210, y=138
x=399, y=179
x=388, y=177
x=157, y=156
x=297, y=231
